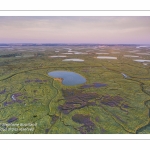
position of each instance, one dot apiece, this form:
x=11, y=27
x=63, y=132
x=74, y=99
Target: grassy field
x=32, y=102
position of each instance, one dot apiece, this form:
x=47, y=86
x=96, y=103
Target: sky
x=75, y=29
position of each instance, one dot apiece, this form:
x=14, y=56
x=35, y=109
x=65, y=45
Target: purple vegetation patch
x=35, y=80
x=86, y=86
x=19, y=101
x=111, y=101
x=91, y=103
x=95, y=85
x=103, y=131
x=88, y=125
x=125, y=105
x=85, y=70
x=82, y=119
x=46, y=131
x=76, y=99
x=12, y=119
x=117, y=117
x=12, y=102
x=54, y=119
x=8, y=103
x=15, y=96
x=97, y=119
x=35, y=100
x=3, y=91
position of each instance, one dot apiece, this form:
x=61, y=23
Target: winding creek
x=124, y=75
x=141, y=129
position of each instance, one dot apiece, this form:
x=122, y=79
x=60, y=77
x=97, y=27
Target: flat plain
x=115, y=99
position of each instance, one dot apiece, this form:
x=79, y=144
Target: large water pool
x=69, y=78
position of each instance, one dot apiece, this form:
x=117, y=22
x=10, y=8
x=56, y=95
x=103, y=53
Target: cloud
x=75, y=29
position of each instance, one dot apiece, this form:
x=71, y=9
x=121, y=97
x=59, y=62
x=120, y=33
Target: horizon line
x=76, y=43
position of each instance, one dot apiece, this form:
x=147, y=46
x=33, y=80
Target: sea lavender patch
x=12, y=119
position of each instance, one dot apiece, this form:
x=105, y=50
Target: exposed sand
x=59, y=79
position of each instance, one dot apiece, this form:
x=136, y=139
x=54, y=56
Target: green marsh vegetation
x=107, y=103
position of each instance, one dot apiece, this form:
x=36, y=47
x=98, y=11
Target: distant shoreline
x=67, y=44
